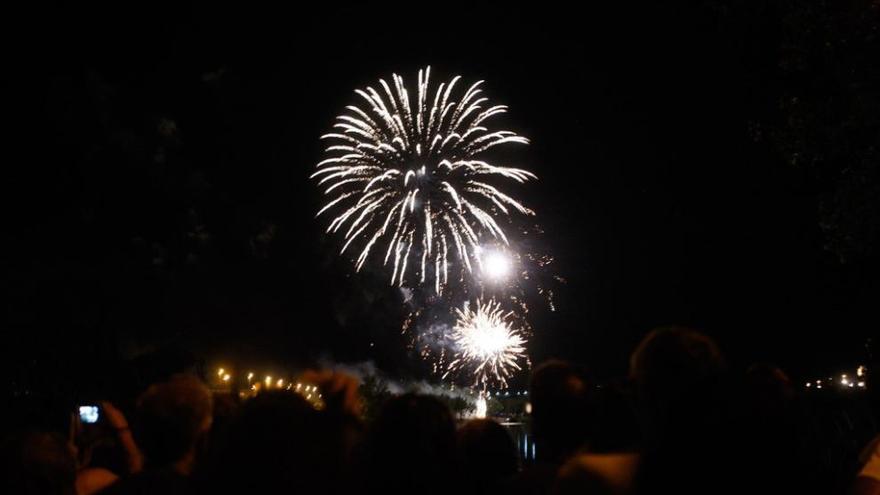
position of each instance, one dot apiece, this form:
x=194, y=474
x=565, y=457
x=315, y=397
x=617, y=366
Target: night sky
x=162, y=198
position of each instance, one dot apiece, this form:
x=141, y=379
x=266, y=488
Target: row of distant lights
x=845, y=380
x=307, y=390
x=507, y=394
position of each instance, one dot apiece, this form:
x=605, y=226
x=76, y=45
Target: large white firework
x=413, y=176
x=487, y=343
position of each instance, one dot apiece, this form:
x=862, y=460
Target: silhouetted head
x=172, y=417
x=277, y=443
x=487, y=454
x=769, y=385
x=411, y=446
x=678, y=375
x=37, y=463
x=672, y=361
x=687, y=411
x=560, y=414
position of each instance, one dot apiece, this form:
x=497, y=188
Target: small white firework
x=414, y=176
x=487, y=342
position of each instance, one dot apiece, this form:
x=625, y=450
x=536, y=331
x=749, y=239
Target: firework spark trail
x=414, y=176
x=487, y=341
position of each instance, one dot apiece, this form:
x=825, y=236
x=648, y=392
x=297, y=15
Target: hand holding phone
x=113, y=416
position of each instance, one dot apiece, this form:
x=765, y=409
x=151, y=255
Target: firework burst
x=413, y=176
x=487, y=342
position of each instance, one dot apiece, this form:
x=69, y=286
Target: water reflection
x=525, y=444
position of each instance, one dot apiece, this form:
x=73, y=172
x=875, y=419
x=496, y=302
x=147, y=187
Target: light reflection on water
x=525, y=445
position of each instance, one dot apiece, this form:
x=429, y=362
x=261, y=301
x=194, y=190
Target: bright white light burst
x=496, y=265
x=487, y=341
x=481, y=407
x=413, y=175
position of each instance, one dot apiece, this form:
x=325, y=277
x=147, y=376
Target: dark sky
x=163, y=199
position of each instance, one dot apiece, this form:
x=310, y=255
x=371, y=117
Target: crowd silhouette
x=682, y=422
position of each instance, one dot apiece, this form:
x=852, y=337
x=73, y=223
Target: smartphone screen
x=88, y=414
